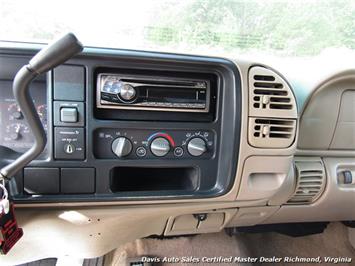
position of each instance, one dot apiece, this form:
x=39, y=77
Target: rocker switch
x=69, y=114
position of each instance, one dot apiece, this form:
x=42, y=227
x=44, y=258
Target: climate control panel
x=148, y=144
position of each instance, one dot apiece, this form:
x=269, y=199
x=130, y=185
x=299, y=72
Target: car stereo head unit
x=139, y=92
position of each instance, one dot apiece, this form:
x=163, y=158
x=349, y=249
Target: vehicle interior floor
x=333, y=242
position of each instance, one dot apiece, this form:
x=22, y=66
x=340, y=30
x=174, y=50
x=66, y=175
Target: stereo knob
x=197, y=146
x=121, y=147
x=127, y=93
x=160, y=146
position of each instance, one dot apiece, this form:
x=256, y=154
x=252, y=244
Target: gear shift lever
x=48, y=58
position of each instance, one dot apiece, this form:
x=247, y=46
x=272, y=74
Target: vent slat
x=268, y=85
x=264, y=77
x=270, y=92
x=281, y=106
x=280, y=129
x=303, y=195
x=275, y=122
x=278, y=99
x=311, y=172
x=311, y=179
x=280, y=135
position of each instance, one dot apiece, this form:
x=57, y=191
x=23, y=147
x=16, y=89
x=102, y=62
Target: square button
x=69, y=115
x=41, y=180
x=77, y=180
x=69, y=83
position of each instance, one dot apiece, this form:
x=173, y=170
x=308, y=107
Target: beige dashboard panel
x=335, y=204
x=263, y=176
x=93, y=232
x=252, y=216
x=344, y=135
x=319, y=118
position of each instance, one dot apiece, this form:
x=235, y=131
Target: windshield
x=275, y=30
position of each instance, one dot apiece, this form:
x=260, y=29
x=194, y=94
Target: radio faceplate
x=156, y=93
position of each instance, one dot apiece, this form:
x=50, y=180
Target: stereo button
x=141, y=152
x=178, y=151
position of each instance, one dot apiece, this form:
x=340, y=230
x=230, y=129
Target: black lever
x=48, y=58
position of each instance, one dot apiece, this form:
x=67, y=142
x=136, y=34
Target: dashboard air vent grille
x=310, y=181
x=271, y=133
x=270, y=95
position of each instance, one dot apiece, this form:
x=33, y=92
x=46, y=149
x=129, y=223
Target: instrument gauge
x=16, y=131
x=14, y=111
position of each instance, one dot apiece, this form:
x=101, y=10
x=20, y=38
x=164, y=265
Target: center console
x=136, y=127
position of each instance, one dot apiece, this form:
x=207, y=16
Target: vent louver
x=270, y=95
x=311, y=180
x=271, y=133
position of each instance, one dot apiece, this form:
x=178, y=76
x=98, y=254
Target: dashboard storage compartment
x=134, y=179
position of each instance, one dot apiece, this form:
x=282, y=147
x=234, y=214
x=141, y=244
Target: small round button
x=160, y=146
x=178, y=151
x=141, y=151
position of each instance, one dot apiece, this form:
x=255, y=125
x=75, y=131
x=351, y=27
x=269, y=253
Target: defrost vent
x=311, y=181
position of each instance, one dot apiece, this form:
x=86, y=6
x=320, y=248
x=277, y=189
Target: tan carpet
x=333, y=243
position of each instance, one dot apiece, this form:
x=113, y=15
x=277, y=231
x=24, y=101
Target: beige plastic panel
x=187, y=224
x=344, y=136
x=252, y=216
x=92, y=232
x=335, y=204
x=319, y=117
x=264, y=176
x=271, y=133
x=265, y=102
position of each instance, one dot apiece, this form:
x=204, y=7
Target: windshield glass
x=274, y=30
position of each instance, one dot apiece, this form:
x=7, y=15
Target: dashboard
x=139, y=143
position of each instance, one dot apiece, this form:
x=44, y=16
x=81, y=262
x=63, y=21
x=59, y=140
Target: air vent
x=271, y=133
x=311, y=180
x=270, y=95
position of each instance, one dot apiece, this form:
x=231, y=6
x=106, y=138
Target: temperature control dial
x=160, y=146
x=121, y=147
x=197, y=146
